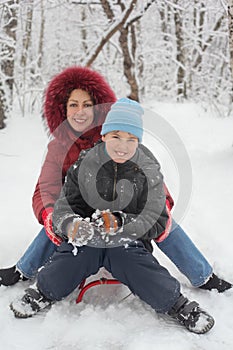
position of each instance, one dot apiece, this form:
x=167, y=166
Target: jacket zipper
x=114, y=182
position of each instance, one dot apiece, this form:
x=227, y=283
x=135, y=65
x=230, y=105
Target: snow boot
x=190, y=315
x=32, y=302
x=214, y=282
x=10, y=276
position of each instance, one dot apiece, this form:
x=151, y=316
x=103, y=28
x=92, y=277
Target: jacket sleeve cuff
x=45, y=213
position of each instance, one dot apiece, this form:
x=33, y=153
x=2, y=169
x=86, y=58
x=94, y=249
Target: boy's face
x=120, y=145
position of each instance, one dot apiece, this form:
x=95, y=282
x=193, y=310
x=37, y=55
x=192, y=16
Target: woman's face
x=80, y=112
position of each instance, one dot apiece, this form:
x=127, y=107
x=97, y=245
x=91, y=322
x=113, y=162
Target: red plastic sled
x=83, y=288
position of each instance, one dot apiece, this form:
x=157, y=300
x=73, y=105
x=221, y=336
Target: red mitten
x=47, y=219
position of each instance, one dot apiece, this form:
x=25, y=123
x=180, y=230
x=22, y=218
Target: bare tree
x=27, y=34
x=128, y=40
x=3, y=107
x=26, y=43
x=83, y=30
x=127, y=32
x=41, y=36
x=230, y=26
x=116, y=26
x=9, y=11
x=180, y=54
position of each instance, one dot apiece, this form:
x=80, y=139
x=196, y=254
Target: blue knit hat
x=124, y=115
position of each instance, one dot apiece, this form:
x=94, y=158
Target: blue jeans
x=37, y=254
x=177, y=246
x=184, y=254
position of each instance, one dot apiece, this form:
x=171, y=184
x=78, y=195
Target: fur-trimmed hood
x=59, y=89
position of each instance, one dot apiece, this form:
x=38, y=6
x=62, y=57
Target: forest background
x=169, y=50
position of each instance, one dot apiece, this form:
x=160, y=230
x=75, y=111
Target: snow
x=105, y=319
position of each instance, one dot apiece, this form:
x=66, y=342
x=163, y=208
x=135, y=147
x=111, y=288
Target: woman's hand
x=48, y=225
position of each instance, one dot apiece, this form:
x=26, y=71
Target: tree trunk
x=180, y=56
x=25, y=48
x=27, y=35
x=10, y=30
x=84, y=31
x=2, y=107
x=41, y=39
x=10, y=12
x=127, y=38
x=129, y=62
x=230, y=26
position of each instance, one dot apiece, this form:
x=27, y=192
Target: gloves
x=169, y=199
x=168, y=227
x=47, y=219
x=106, y=223
x=80, y=232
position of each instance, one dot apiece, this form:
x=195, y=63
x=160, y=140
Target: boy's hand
x=105, y=222
x=80, y=232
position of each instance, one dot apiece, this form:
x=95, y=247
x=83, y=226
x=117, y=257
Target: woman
x=76, y=103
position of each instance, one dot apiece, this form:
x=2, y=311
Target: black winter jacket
x=134, y=188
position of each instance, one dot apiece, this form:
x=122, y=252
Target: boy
x=111, y=206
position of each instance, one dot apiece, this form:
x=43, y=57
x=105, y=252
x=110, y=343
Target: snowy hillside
x=105, y=320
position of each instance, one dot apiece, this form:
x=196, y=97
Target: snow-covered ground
x=103, y=320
